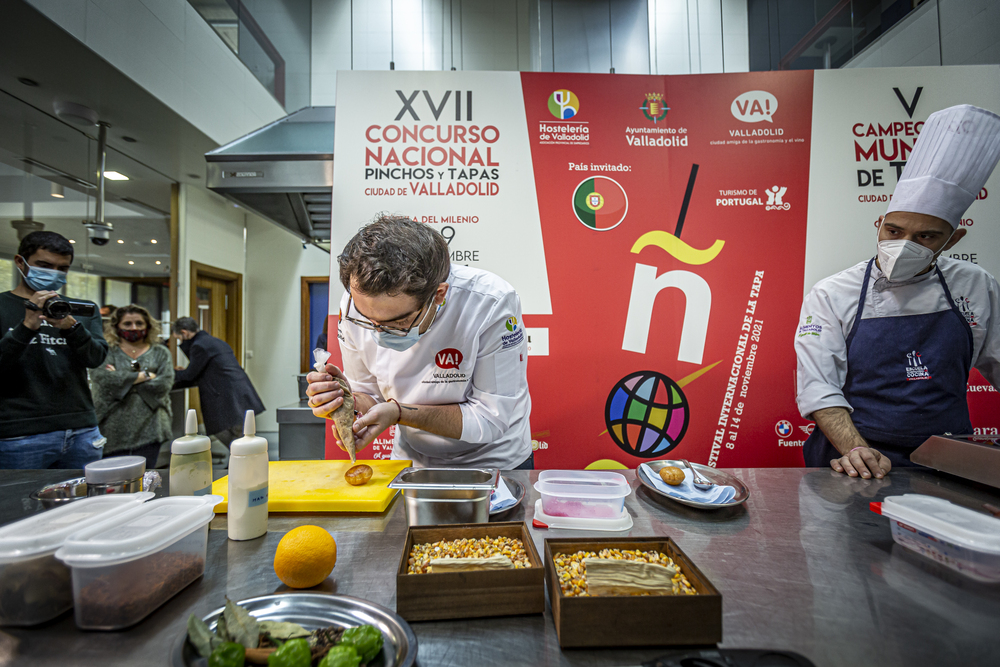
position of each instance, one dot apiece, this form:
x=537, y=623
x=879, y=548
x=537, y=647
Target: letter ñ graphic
x=912, y=106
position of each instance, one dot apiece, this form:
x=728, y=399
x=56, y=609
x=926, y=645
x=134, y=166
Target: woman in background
x=132, y=388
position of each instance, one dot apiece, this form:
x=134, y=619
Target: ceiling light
x=115, y=176
x=157, y=262
x=152, y=240
x=57, y=191
x=121, y=241
x=72, y=241
x=131, y=262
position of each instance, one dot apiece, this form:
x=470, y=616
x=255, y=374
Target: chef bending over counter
x=885, y=347
x=435, y=347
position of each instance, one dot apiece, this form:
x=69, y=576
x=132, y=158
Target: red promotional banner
x=659, y=231
x=674, y=216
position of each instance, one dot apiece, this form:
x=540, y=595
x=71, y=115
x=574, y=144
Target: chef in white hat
x=885, y=347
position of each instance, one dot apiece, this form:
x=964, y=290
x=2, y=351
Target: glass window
x=83, y=286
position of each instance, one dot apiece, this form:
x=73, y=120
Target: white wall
x=211, y=232
x=166, y=47
x=275, y=262
x=699, y=36
x=939, y=32
x=685, y=37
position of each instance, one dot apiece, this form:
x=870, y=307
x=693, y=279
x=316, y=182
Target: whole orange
x=305, y=557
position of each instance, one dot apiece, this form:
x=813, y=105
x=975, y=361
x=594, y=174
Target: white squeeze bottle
x=191, y=461
x=248, y=484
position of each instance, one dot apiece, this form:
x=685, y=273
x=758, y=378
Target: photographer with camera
x=47, y=417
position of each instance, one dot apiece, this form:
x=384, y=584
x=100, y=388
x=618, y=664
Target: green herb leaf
x=279, y=630
x=200, y=636
x=241, y=626
x=221, y=630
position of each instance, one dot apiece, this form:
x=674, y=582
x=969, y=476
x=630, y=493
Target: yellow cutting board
x=319, y=486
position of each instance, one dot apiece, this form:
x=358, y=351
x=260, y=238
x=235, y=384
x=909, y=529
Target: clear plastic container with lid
x=585, y=494
x=957, y=537
x=34, y=586
x=126, y=567
x=191, y=461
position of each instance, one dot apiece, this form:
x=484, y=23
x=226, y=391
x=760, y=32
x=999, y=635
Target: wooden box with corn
x=423, y=594
x=682, y=609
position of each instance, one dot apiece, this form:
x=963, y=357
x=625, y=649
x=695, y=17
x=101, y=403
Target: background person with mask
x=225, y=390
x=47, y=417
x=885, y=348
x=435, y=347
x=132, y=387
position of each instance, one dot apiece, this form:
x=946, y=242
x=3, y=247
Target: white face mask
x=901, y=260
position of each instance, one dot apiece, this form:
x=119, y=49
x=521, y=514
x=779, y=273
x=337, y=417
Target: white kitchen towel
x=501, y=498
x=686, y=490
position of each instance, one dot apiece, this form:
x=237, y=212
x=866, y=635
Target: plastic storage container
x=960, y=538
x=584, y=494
x=191, y=461
x=126, y=567
x=34, y=586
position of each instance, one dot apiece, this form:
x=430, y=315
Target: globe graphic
x=647, y=414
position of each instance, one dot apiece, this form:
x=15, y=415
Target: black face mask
x=186, y=346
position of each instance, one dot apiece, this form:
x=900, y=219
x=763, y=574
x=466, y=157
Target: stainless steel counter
x=803, y=566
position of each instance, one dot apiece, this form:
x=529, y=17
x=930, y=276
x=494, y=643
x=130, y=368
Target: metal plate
x=713, y=475
x=312, y=612
x=516, y=489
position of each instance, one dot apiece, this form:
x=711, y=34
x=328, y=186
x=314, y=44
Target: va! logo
x=563, y=104
x=774, y=199
x=915, y=368
x=754, y=106
x=653, y=107
x=448, y=358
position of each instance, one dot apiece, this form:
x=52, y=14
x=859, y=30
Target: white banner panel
x=449, y=149
x=865, y=123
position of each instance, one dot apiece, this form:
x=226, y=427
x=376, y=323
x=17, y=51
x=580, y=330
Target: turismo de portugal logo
x=563, y=104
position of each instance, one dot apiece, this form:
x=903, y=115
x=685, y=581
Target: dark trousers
x=528, y=463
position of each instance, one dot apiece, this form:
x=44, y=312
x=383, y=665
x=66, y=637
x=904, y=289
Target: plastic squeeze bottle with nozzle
x=248, y=483
x=191, y=461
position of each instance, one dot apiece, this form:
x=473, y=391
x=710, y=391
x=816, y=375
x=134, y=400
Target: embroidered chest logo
x=915, y=368
x=447, y=371
x=965, y=307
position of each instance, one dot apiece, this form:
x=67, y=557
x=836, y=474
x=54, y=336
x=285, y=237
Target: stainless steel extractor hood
x=283, y=172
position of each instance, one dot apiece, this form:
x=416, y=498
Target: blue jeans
x=58, y=449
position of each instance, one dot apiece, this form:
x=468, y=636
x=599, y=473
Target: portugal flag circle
x=600, y=203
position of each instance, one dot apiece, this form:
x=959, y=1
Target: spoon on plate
x=699, y=481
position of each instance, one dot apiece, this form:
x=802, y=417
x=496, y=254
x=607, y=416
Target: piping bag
x=342, y=417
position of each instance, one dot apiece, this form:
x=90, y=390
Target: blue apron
x=906, y=380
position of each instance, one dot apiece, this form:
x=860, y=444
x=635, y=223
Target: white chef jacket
x=475, y=353
x=829, y=310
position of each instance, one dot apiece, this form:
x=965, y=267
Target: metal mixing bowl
x=60, y=493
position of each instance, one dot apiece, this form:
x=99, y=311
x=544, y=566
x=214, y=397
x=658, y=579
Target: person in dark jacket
x=47, y=417
x=226, y=391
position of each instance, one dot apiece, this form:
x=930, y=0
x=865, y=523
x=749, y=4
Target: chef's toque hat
x=955, y=153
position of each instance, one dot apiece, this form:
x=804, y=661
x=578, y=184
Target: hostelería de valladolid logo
x=563, y=104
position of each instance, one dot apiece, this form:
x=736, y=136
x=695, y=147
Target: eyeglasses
x=365, y=323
